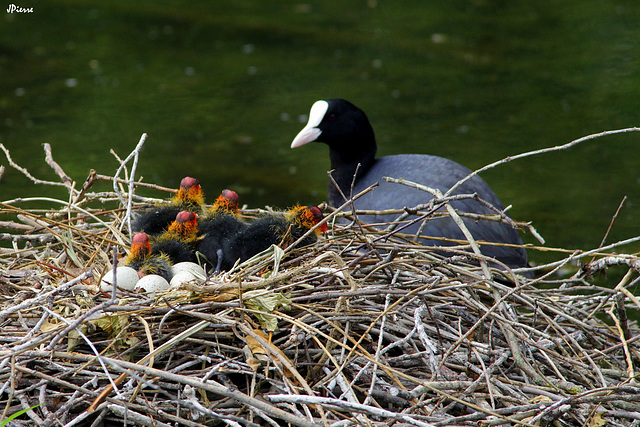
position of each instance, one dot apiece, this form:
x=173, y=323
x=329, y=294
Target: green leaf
x=267, y=302
x=17, y=414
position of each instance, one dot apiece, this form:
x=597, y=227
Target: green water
x=222, y=88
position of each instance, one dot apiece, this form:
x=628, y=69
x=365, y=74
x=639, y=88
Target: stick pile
x=363, y=328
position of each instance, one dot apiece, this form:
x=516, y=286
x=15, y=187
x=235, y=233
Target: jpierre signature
x=18, y=9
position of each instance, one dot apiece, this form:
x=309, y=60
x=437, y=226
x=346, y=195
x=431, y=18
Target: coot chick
x=141, y=259
x=281, y=230
x=188, y=198
x=223, y=218
x=218, y=225
x=351, y=140
x=226, y=203
x=179, y=240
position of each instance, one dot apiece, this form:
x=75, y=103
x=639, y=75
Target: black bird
x=178, y=241
x=277, y=229
x=224, y=208
x=219, y=224
x=142, y=260
x=188, y=198
x=351, y=140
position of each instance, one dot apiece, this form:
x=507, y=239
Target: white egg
x=183, y=277
x=152, y=283
x=191, y=267
x=126, y=278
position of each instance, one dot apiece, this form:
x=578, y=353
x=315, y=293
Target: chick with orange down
x=144, y=261
x=280, y=230
x=225, y=204
x=178, y=241
x=189, y=197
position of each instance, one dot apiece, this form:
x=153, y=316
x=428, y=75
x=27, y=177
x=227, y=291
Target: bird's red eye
x=331, y=117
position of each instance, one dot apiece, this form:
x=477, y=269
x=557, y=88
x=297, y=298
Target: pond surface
x=223, y=87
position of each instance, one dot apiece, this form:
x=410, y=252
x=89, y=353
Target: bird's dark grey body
x=442, y=174
x=351, y=140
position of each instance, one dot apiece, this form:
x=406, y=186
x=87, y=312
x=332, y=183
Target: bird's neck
x=347, y=169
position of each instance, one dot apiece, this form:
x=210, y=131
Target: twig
x=332, y=215
x=620, y=322
x=167, y=345
x=536, y=152
x=48, y=157
x=134, y=154
x=88, y=183
x=349, y=406
x=378, y=352
x=26, y=172
x=137, y=183
x=72, y=326
x=44, y=296
x=454, y=215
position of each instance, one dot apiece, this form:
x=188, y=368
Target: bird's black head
x=339, y=124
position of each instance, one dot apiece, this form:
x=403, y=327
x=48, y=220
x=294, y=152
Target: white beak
x=311, y=132
x=306, y=135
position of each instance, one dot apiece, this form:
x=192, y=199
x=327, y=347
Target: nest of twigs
x=363, y=328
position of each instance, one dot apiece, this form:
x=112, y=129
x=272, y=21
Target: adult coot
x=351, y=140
